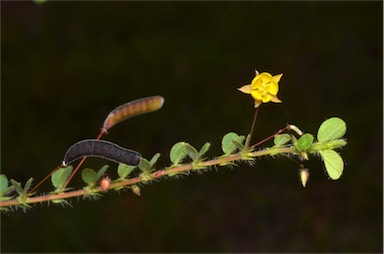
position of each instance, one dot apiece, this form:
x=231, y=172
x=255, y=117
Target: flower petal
x=257, y=103
x=273, y=88
x=277, y=78
x=267, y=98
x=275, y=99
x=256, y=81
x=266, y=76
x=245, y=89
x=256, y=95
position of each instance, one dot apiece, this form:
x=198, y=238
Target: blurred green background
x=65, y=65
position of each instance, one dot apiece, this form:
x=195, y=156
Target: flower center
x=264, y=87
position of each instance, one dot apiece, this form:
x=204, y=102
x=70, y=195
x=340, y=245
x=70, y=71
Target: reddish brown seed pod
x=133, y=108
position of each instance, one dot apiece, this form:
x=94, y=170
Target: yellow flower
x=263, y=88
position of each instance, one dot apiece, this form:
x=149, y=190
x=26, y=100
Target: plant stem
x=248, y=140
x=271, y=136
x=102, y=132
x=155, y=175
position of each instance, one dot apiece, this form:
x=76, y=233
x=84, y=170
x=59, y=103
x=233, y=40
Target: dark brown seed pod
x=133, y=108
x=102, y=149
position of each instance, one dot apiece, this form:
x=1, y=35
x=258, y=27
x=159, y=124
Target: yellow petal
x=273, y=88
x=275, y=99
x=256, y=82
x=245, y=89
x=277, y=78
x=257, y=103
x=266, y=76
x=256, y=95
x=267, y=98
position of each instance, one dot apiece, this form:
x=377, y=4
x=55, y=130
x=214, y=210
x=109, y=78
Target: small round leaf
x=304, y=142
x=334, y=164
x=144, y=165
x=3, y=183
x=178, y=152
x=59, y=178
x=123, y=170
x=89, y=176
x=281, y=139
x=192, y=152
x=332, y=128
x=226, y=143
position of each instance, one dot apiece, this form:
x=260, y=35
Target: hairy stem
x=155, y=175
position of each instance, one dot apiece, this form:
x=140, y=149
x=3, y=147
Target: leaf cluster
x=329, y=138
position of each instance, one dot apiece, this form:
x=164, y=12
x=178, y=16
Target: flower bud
x=105, y=183
x=304, y=175
x=136, y=190
x=304, y=155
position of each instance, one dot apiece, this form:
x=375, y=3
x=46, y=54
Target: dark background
x=65, y=65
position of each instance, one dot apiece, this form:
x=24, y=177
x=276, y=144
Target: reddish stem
x=45, y=178
x=272, y=136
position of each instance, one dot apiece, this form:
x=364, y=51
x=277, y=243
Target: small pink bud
x=105, y=183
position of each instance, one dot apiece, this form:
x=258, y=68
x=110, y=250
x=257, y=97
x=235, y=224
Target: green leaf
x=192, y=152
x=334, y=164
x=304, y=142
x=89, y=176
x=144, y=165
x=5, y=188
x=240, y=138
x=239, y=145
x=204, y=149
x=102, y=171
x=59, y=178
x=123, y=170
x=154, y=159
x=178, y=152
x=17, y=187
x=2, y=198
x=226, y=143
x=28, y=184
x=281, y=139
x=3, y=183
x=333, y=128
